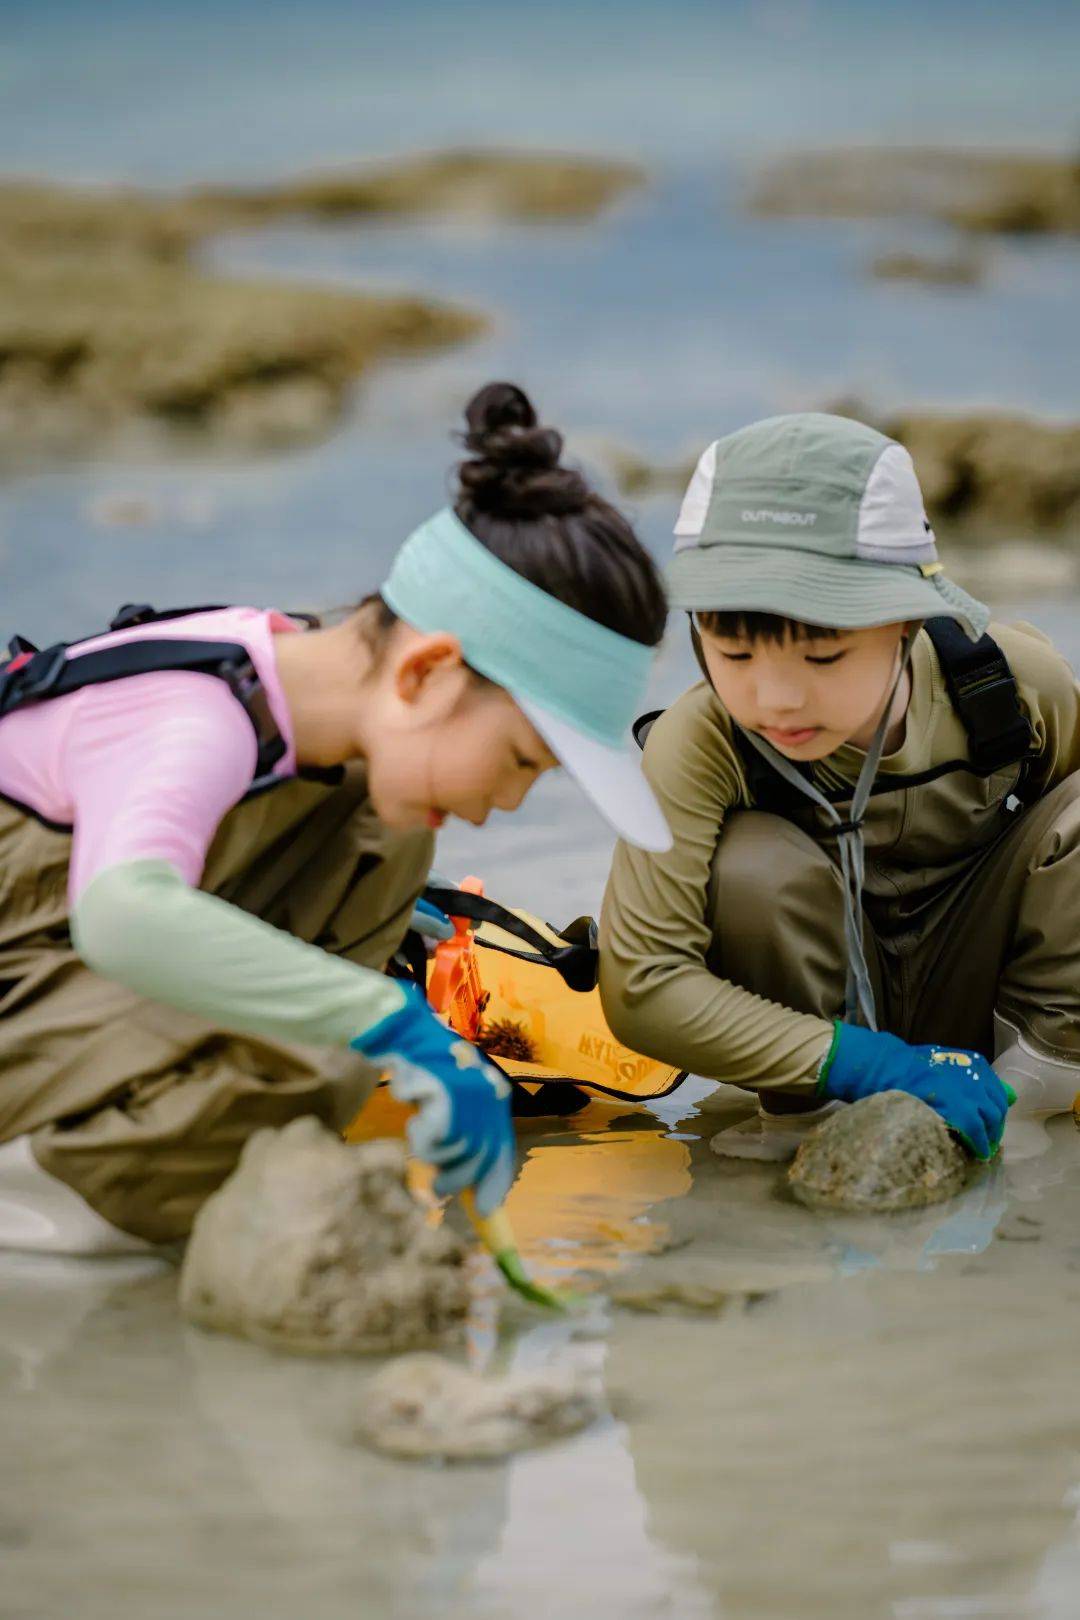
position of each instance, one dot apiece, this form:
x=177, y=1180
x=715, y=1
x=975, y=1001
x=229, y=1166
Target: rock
x=49, y=220
x=424, y=1406
x=989, y=470
x=977, y=191
x=471, y=183
x=260, y=415
x=45, y=221
x=86, y=349
x=946, y=270
x=315, y=1245
x=107, y=322
x=888, y=1152
x=1036, y=567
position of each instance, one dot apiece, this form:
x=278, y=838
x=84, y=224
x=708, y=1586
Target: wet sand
x=882, y=1428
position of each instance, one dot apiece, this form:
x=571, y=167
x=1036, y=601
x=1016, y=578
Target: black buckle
x=242, y=679
x=38, y=677
x=131, y=614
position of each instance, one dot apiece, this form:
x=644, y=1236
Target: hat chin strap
x=858, y=993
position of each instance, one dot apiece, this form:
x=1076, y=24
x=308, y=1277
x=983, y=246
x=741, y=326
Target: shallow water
x=885, y=1429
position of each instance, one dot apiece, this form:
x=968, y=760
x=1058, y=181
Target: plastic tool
x=454, y=988
x=497, y=1236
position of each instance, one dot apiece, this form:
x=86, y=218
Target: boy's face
x=806, y=696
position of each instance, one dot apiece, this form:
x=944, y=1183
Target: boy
x=876, y=811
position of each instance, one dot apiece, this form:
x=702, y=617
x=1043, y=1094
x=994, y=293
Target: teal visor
x=579, y=683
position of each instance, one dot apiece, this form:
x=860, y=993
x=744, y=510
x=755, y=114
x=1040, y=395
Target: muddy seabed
x=885, y=1427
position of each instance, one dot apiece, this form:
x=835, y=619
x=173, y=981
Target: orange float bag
x=527, y=994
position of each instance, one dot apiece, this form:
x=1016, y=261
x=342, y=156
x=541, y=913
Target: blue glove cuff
x=392, y=1034
x=827, y=1060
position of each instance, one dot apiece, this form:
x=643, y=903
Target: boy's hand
x=462, y=1125
x=430, y=923
x=959, y=1085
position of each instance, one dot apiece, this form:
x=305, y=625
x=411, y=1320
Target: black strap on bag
x=984, y=693
x=576, y=960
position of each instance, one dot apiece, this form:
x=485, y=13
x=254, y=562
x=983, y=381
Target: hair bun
x=514, y=469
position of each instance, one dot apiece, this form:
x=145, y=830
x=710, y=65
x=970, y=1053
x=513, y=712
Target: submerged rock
x=663, y=1287
x=958, y=269
x=885, y=1153
x=427, y=1407
x=316, y=1245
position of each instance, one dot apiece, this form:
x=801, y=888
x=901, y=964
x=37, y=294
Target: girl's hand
x=463, y=1124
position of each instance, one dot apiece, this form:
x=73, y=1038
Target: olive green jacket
x=659, y=915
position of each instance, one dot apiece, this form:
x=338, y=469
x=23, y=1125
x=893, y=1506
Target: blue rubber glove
x=432, y=923
x=959, y=1085
x=462, y=1125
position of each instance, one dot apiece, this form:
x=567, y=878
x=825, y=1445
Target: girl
x=185, y=957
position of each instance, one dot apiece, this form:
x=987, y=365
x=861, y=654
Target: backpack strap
x=984, y=694
x=643, y=725
x=38, y=676
x=768, y=789
x=135, y=613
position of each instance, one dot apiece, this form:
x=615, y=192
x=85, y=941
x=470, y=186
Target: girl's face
x=442, y=742
x=808, y=696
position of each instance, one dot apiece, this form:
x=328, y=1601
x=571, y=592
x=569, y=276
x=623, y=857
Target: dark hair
x=751, y=626
x=543, y=521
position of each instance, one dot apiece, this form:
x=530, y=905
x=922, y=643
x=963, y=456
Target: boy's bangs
x=747, y=625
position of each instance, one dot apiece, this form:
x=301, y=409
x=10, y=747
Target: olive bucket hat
x=815, y=518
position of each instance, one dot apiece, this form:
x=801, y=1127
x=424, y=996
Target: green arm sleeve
x=659, y=996
x=140, y=924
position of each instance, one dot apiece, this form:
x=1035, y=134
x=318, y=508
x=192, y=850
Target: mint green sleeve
x=140, y=924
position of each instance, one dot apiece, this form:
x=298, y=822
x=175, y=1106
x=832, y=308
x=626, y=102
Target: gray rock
x=316, y=1245
x=885, y=1153
x=427, y=1407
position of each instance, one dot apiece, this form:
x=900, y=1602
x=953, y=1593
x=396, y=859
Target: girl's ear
x=425, y=658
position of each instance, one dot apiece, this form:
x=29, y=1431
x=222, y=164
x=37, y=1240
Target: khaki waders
x=998, y=931
x=143, y=1110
